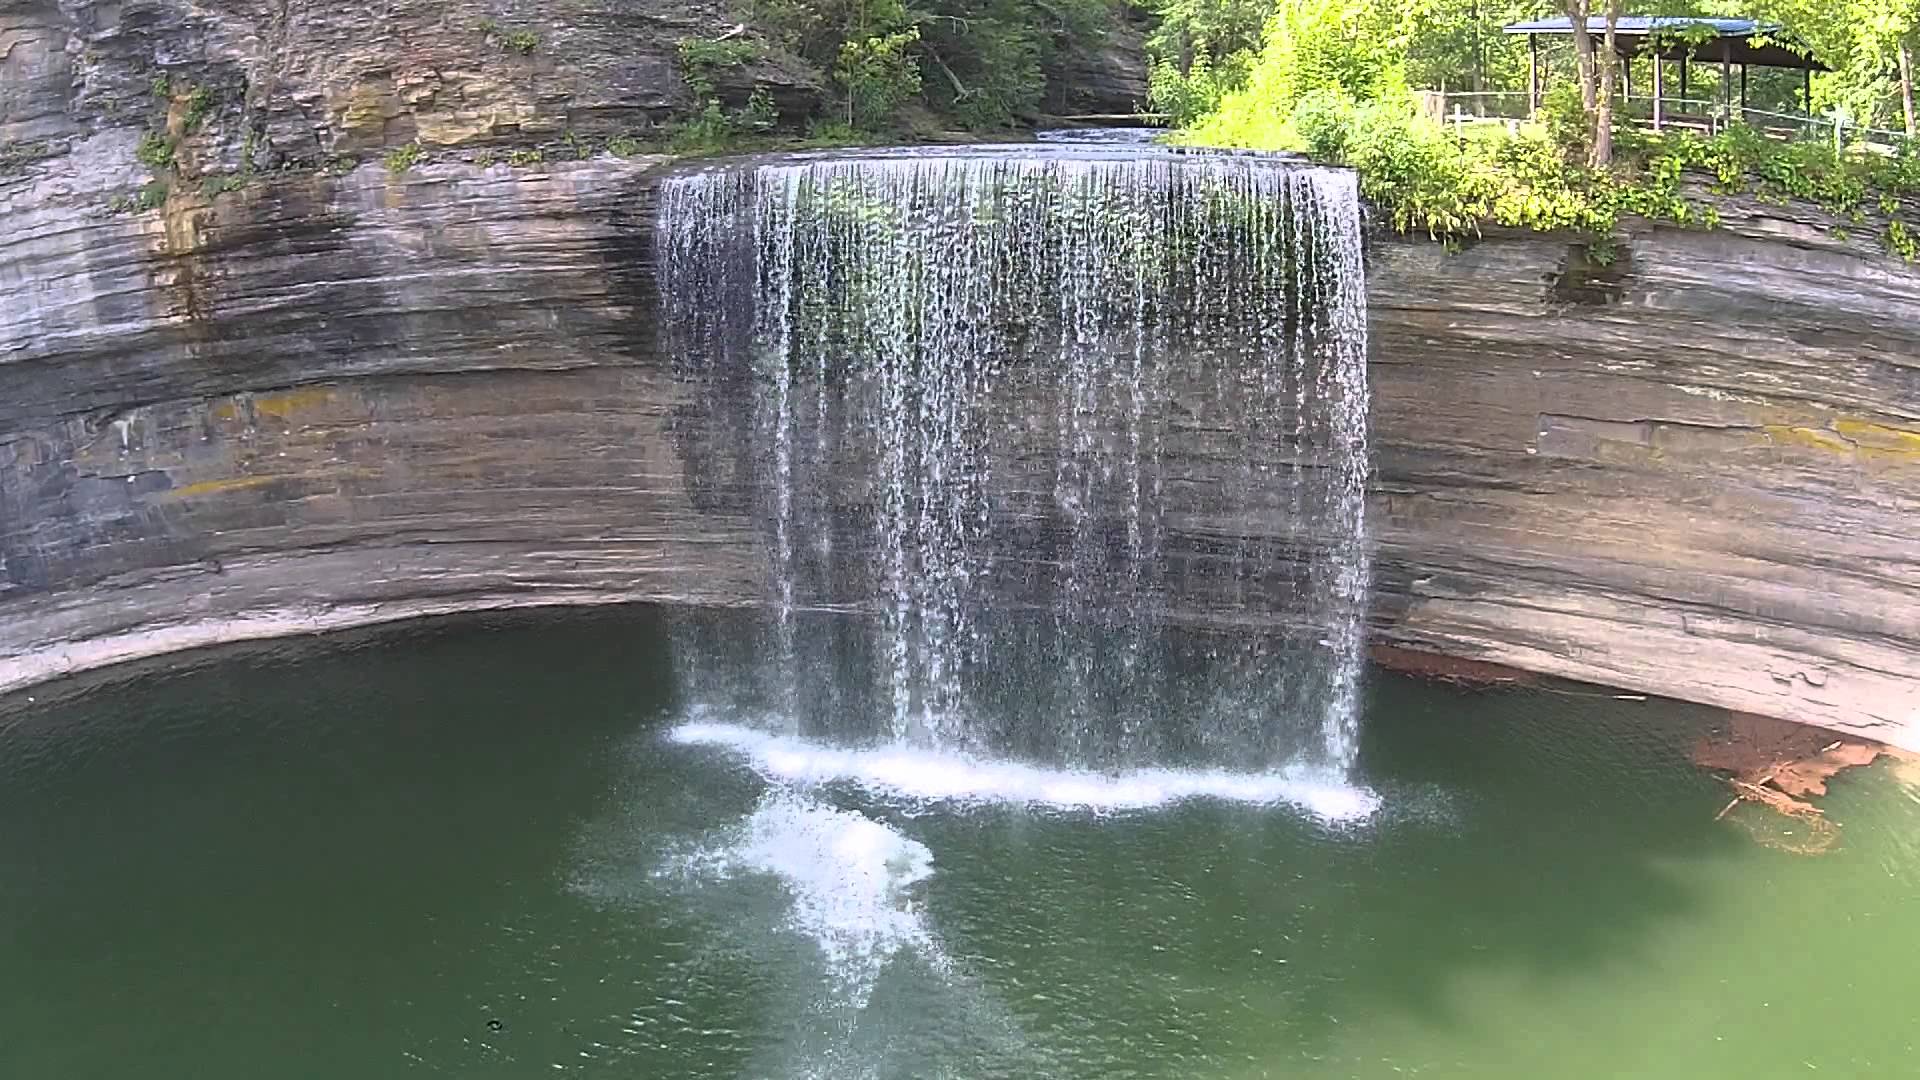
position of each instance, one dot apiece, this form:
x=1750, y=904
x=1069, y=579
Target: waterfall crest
x=979, y=384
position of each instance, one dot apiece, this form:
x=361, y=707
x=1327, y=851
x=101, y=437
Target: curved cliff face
x=331, y=399
x=339, y=399
x=1694, y=472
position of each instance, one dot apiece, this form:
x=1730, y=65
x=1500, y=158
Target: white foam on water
x=945, y=776
x=848, y=877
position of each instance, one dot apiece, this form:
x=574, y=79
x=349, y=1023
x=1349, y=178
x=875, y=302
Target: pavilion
x=1746, y=42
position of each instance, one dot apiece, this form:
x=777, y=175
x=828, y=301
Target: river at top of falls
x=1026, y=405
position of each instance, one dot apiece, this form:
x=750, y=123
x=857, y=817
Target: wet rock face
x=332, y=399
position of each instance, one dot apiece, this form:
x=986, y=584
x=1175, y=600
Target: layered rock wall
x=1693, y=472
x=330, y=399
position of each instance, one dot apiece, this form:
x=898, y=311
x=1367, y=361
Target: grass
x=507, y=39
x=150, y=197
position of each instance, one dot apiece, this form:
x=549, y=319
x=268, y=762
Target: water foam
x=849, y=879
x=937, y=776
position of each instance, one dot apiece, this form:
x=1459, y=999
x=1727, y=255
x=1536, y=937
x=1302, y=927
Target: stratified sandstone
x=1694, y=472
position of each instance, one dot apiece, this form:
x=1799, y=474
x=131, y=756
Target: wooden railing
x=1675, y=113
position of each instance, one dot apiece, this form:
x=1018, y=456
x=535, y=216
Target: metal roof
x=1732, y=40
x=1646, y=24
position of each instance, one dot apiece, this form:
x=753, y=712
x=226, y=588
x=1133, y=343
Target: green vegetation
x=699, y=58
x=718, y=129
x=223, y=183
x=1335, y=79
x=150, y=197
x=879, y=75
x=896, y=67
x=526, y=156
x=155, y=151
x=402, y=158
x=16, y=155
x=507, y=39
x=199, y=106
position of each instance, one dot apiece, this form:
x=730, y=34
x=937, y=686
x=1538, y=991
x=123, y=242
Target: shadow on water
x=304, y=858
x=366, y=846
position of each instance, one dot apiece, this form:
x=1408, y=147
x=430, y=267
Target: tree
x=1577, y=13
x=1603, y=115
x=1597, y=71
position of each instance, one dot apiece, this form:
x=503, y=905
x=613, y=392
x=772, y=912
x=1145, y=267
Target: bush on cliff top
x=977, y=64
x=1428, y=176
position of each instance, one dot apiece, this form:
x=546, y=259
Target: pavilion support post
x=1659, y=91
x=1626, y=78
x=1533, y=76
x=1726, y=87
x=1683, y=81
x=1743, y=91
x=1807, y=92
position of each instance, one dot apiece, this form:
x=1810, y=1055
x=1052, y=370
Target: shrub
x=508, y=40
x=700, y=56
x=200, y=105
x=717, y=129
x=402, y=158
x=878, y=76
x=155, y=151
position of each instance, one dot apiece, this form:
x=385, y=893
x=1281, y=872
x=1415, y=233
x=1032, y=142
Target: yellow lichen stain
x=1880, y=440
x=282, y=405
x=216, y=487
x=1860, y=439
x=1810, y=438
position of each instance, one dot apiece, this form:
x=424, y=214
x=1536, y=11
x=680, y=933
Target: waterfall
x=1026, y=407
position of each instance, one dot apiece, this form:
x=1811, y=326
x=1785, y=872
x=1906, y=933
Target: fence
x=1687, y=114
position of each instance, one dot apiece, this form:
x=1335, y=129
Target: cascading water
x=1027, y=406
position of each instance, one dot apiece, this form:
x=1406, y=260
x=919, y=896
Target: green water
x=469, y=849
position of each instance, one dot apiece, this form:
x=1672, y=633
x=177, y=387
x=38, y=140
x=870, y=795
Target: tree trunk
x=1603, y=116
x=1583, y=51
x=1906, y=84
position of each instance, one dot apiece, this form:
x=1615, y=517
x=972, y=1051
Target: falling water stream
x=1014, y=402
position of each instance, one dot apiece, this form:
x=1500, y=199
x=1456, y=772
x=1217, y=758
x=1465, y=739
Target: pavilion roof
x=1674, y=37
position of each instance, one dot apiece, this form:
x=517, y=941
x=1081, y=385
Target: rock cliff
x=338, y=395
x=1692, y=472
x=332, y=399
